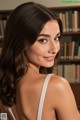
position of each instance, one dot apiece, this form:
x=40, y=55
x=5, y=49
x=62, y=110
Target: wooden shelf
x=69, y=36
x=72, y=33
x=69, y=61
x=75, y=86
x=63, y=8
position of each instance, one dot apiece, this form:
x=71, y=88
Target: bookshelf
x=69, y=59
x=70, y=36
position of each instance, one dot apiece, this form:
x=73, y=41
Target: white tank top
x=41, y=102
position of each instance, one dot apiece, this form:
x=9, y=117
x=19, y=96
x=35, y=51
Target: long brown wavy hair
x=23, y=26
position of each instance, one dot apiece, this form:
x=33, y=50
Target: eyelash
x=42, y=40
x=57, y=38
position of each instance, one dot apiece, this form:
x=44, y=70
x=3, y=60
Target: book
x=76, y=45
x=64, y=21
x=70, y=19
x=67, y=21
x=62, y=50
x=75, y=21
x=69, y=73
x=70, y=50
x=59, y=70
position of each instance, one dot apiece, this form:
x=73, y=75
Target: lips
x=51, y=58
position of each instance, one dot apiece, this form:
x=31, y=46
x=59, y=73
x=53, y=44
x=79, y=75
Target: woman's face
x=47, y=45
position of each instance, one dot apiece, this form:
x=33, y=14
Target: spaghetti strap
x=11, y=113
x=43, y=93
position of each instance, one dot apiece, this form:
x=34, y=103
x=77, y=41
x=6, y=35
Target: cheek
x=37, y=50
x=58, y=47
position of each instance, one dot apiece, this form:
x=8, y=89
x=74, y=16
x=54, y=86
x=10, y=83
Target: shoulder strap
x=4, y=109
x=11, y=113
x=43, y=93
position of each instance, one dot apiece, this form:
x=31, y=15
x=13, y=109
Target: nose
x=53, y=47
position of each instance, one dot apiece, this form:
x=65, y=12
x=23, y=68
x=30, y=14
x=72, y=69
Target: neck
x=33, y=68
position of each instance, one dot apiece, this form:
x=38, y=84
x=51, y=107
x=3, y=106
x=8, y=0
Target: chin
x=48, y=65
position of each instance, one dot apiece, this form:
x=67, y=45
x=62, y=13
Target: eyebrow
x=46, y=35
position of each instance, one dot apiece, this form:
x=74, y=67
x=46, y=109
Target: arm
x=65, y=104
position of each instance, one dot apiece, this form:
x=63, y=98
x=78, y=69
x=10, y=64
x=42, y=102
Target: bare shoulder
x=59, y=82
x=59, y=89
x=62, y=99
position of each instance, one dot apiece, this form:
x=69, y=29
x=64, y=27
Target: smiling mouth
x=51, y=58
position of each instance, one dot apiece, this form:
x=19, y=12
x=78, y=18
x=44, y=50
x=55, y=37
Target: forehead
x=51, y=27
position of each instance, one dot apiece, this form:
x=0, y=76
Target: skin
x=59, y=97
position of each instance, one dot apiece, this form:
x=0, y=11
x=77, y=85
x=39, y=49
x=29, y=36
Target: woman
x=28, y=89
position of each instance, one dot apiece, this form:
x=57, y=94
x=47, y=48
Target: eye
x=42, y=40
x=57, y=38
